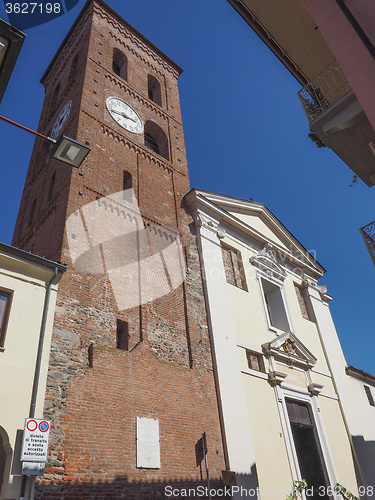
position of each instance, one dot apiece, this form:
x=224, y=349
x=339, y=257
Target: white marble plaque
x=148, y=448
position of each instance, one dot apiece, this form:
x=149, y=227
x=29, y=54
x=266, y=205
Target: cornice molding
x=321, y=289
x=137, y=148
x=145, y=62
x=51, y=75
x=133, y=93
x=316, y=291
x=276, y=378
x=207, y=226
x=135, y=40
x=265, y=261
x=299, y=356
x=352, y=371
x=315, y=389
x=149, y=222
x=108, y=131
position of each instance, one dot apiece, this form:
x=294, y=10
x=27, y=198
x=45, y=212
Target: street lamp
x=69, y=151
x=65, y=149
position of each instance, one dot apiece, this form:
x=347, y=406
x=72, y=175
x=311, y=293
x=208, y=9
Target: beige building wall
x=26, y=277
x=270, y=452
x=361, y=418
x=264, y=300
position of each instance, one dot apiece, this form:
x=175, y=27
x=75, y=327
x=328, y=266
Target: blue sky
x=246, y=136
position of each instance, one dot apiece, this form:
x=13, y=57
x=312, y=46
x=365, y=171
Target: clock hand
x=121, y=113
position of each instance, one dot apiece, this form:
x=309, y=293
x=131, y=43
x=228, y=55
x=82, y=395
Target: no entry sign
x=35, y=440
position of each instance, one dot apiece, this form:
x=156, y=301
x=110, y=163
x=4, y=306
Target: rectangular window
x=5, y=299
x=233, y=267
x=307, y=448
x=275, y=306
x=255, y=361
x=369, y=395
x=122, y=334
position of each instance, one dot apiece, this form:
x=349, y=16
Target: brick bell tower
x=131, y=387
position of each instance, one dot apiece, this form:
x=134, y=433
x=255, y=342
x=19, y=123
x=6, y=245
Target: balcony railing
x=368, y=234
x=323, y=91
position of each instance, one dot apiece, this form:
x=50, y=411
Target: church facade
x=279, y=364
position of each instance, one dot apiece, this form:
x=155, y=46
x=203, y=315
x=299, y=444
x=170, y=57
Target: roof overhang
x=288, y=29
x=29, y=263
x=11, y=40
x=352, y=371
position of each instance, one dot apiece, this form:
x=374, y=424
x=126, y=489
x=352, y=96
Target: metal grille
x=151, y=143
x=368, y=235
x=323, y=91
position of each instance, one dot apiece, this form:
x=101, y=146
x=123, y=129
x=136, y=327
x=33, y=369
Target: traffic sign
x=35, y=441
x=43, y=426
x=31, y=425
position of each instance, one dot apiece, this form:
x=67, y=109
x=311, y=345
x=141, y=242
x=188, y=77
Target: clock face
x=61, y=119
x=124, y=115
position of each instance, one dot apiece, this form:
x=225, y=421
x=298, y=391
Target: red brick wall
x=95, y=391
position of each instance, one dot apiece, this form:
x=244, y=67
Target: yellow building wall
x=274, y=474
x=252, y=330
x=17, y=361
x=338, y=442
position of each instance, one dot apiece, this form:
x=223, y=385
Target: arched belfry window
x=127, y=186
x=156, y=139
x=120, y=64
x=127, y=180
x=154, y=90
x=151, y=143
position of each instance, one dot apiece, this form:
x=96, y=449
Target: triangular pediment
x=258, y=224
x=287, y=347
x=257, y=220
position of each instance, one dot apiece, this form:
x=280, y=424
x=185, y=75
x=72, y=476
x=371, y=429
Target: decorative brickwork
x=95, y=390
x=301, y=301
x=255, y=361
x=233, y=267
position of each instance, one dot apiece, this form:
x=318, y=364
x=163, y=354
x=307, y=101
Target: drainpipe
x=40, y=345
x=37, y=371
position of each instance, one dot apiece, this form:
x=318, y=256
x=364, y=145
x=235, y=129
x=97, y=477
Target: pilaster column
x=224, y=345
